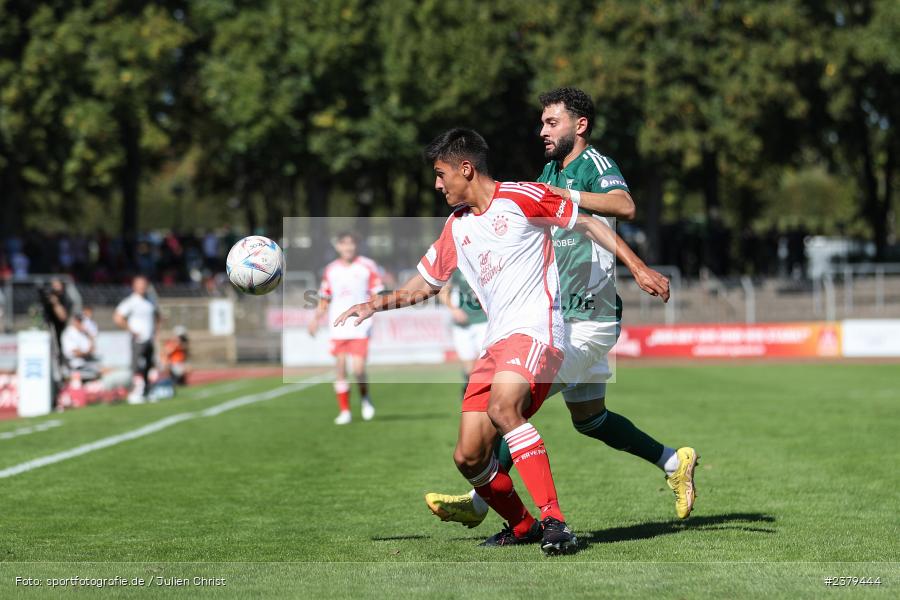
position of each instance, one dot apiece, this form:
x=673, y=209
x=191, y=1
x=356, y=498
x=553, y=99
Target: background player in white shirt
x=348, y=280
x=138, y=315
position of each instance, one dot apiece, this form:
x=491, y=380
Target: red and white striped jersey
x=506, y=255
x=348, y=284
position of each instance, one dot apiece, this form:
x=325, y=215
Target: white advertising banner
x=414, y=335
x=871, y=337
x=221, y=317
x=34, y=374
x=113, y=348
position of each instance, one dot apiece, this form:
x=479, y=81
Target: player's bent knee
x=581, y=411
x=468, y=462
x=505, y=415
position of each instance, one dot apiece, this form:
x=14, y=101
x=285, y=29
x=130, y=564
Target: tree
x=688, y=89
x=861, y=79
x=280, y=82
x=87, y=93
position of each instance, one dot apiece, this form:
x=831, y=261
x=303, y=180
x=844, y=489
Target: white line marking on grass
x=220, y=389
x=113, y=440
x=8, y=435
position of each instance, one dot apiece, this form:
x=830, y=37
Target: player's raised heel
x=558, y=538
x=682, y=481
x=460, y=509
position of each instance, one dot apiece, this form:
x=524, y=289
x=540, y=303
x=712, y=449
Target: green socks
x=617, y=432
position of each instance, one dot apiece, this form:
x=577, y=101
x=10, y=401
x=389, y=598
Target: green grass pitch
x=798, y=482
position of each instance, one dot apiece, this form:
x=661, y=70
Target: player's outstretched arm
x=617, y=203
x=412, y=292
x=650, y=281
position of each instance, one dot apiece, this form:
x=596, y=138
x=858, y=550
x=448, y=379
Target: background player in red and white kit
x=348, y=280
x=499, y=238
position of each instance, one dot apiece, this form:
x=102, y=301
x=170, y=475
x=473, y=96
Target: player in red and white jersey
x=506, y=255
x=348, y=280
x=499, y=237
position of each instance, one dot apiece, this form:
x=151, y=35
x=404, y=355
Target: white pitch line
x=219, y=389
x=113, y=440
x=8, y=435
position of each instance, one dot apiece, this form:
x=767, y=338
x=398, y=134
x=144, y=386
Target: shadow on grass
x=645, y=531
x=748, y=522
x=395, y=538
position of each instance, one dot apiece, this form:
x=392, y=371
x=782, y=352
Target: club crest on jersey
x=501, y=225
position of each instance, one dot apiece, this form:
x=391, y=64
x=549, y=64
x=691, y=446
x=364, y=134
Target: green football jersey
x=462, y=296
x=586, y=271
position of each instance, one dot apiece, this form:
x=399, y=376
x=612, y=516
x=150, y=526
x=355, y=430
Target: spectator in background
x=78, y=349
x=140, y=317
x=175, y=355
x=6, y=271
x=87, y=320
x=20, y=264
x=145, y=259
x=57, y=306
x=211, y=251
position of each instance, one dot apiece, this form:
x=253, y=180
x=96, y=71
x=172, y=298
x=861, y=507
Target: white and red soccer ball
x=255, y=265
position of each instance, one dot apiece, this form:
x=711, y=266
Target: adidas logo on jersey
x=466, y=241
x=514, y=361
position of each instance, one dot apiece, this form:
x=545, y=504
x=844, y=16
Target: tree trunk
x=711, y=184
x=129, y=180
x=874, y=210
x=887, y=205
x=715, y=246
x=13, y=221
x=649, y=208
x=244, y=200
x=318, y=188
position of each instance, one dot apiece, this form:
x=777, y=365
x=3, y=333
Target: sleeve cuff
x=427, y=276
x=574, y=217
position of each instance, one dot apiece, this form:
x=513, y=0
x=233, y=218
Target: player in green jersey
x=591, y=306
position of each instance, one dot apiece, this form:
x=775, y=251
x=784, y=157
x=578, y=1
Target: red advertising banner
x=816, y=339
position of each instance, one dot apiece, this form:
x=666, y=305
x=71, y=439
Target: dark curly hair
x=577, y=103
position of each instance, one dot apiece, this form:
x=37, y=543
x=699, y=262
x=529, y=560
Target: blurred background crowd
x=165, y=257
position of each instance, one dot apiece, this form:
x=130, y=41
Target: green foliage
x=257, y=103
x=71, y=82
x=813, y=197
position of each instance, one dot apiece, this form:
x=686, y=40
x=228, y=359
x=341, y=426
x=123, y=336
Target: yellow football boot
x=461, y=509
x=682, y=481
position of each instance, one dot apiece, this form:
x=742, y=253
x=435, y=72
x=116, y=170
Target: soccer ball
x=255, y=265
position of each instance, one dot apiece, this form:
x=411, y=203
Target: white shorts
x=468, y=340
x=585, y=369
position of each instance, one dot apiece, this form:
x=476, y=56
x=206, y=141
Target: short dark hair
x=458, y=144
x=577, y=103
x=346, y=234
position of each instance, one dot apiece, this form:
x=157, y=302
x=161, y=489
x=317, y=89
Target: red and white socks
x=496, y=488
x=531, y=460
x=342, y=391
